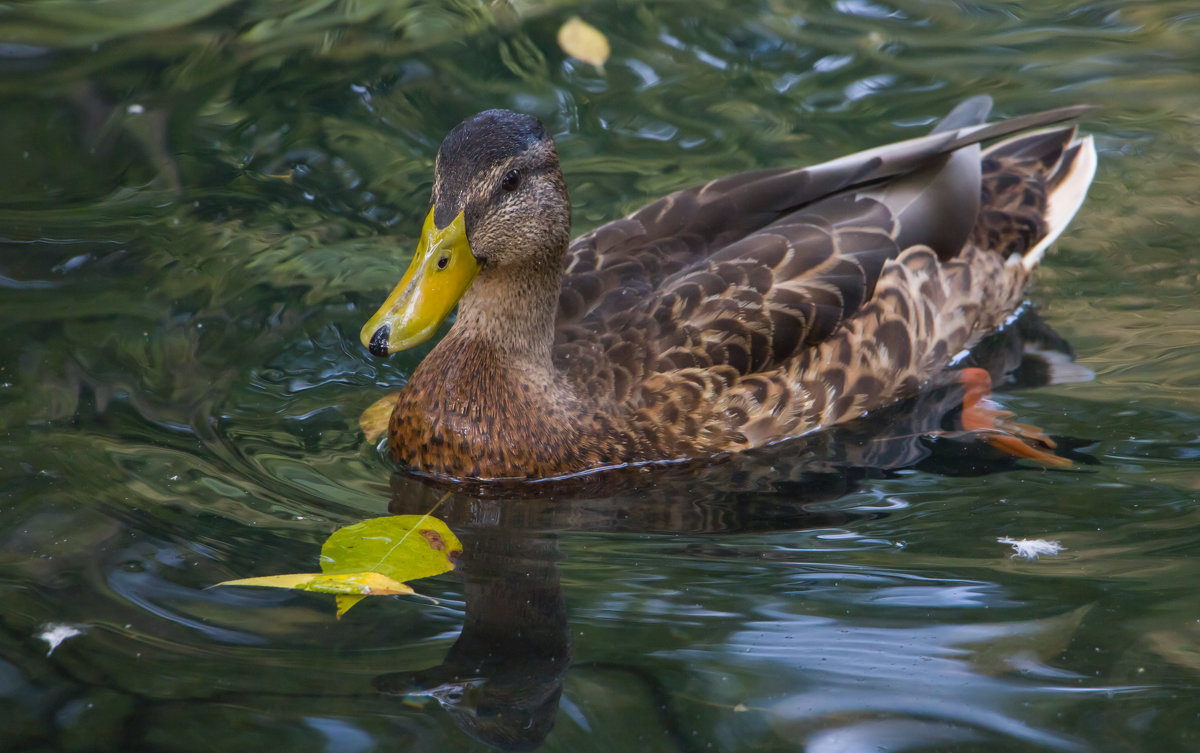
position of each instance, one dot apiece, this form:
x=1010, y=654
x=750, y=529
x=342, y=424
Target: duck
x=724, y=317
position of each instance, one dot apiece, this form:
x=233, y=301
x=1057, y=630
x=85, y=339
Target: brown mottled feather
x=738, y=313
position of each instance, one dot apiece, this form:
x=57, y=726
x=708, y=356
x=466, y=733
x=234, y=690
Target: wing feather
x=750, y=270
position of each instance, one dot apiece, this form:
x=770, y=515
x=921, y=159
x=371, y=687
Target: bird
x=724, y=317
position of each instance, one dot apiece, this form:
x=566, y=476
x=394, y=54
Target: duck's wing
x=624, y=261
x=748, y=270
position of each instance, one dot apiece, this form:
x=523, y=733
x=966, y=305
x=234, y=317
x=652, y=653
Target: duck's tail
x=1033, y=184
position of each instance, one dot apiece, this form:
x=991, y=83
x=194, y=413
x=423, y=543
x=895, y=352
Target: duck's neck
x=512, y=313
x=487, y=402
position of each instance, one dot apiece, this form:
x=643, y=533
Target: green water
x=203, y=201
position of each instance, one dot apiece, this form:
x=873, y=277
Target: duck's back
x=780, y=301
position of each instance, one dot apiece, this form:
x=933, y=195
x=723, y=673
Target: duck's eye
x=442, y=262
x=512, y=179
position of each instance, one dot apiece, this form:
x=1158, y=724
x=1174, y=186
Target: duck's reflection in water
x=502, y=678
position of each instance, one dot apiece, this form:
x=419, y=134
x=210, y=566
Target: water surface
x=203, y=202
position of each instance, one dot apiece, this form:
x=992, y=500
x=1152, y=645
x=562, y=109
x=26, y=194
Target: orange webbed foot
x=980, y=414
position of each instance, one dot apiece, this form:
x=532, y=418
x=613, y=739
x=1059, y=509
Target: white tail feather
x=1064, y=201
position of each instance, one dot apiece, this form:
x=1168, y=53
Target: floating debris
x=1031, y=549
x=581, y=40
x=54, y=634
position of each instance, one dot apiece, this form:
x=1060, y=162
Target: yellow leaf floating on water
x=580, y=39
x=361, y=584
x=373, y=558
x=374, y=420
x=403, y=547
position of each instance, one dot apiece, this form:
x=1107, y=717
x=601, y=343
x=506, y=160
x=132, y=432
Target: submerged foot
x=981, y=415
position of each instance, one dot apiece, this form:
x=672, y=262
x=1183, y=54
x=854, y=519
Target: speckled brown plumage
x=724, y=317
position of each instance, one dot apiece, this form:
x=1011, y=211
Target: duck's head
x=499, y=205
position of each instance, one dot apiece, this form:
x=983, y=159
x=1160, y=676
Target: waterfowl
x=720, y=318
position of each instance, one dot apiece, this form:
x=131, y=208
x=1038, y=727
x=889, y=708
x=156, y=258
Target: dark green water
x=202, y=202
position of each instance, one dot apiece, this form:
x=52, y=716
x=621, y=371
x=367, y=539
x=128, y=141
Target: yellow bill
x=441, y=271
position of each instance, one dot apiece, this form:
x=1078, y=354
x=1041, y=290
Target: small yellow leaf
x=374, y=420
x=580, y=39
x=373, y=558
x=357, y=584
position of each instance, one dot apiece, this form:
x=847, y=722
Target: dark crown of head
x=491, y=136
